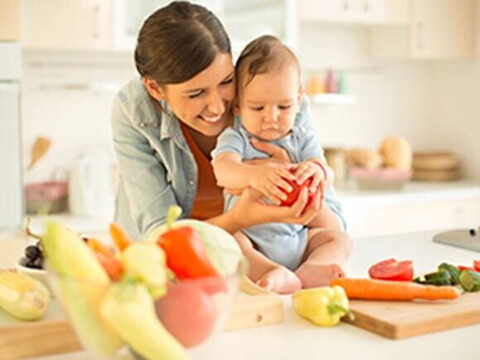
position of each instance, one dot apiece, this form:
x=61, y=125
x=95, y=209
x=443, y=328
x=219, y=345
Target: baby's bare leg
x=265, y=272
x=327, y=251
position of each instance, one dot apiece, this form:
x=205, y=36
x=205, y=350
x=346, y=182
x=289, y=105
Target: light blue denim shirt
x=157, y=168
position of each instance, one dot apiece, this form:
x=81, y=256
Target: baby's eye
x=284, y=107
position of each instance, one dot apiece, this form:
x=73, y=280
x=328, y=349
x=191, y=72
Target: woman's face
x=204, y=101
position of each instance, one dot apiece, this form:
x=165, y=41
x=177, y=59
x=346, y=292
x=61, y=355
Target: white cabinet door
x=67, y=24
x=9, y=20
x=442, y=28
x=355, y=11
x=438, y=29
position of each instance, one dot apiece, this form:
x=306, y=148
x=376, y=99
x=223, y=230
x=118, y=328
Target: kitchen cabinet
x=438, y=29
x=67, y=24
x=9, y=20
x=355, y=11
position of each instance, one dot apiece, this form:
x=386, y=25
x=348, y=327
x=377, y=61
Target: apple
x=188, y=313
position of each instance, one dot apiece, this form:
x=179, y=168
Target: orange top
x=209, y=198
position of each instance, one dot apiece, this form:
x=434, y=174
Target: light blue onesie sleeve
x=229, y=140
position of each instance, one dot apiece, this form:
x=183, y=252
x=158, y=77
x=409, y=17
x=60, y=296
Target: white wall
x=67, y=97
x=434, y=105
x=456, y=116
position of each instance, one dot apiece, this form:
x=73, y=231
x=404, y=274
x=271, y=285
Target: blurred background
x=374, y=69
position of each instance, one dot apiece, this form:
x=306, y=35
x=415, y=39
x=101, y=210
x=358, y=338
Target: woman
x=166, y=124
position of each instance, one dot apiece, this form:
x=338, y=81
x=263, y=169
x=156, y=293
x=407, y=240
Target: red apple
x=188, y=313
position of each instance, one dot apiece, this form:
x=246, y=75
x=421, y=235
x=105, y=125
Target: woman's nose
x=215, y=103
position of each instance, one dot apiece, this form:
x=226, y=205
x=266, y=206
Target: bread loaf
x=396, y=153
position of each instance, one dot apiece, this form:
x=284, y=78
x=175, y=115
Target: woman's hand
x=251, y=209
x=277, y=153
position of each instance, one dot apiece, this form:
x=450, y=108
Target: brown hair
x=178, y=41
x=262, y=55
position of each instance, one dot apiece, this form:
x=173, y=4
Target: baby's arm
x=268, y=178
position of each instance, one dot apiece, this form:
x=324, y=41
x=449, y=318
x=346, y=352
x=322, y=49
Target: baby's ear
x=301, y=91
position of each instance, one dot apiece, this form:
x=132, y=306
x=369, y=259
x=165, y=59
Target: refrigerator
x=11, y=174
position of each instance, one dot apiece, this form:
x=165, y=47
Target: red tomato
x=392, y=269
x=292, y=196
x=461, y=268
x=476, y=265
x=188, y=313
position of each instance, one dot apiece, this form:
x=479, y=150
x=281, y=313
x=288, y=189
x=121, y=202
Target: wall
x=456, y=116
x=67, y=97
x=433, y=105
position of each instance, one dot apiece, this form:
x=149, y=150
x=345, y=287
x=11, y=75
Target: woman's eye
x=228, y=81
x=257, y=108
x=195, y=95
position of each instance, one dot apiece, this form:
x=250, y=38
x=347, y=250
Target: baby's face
x=268, y=103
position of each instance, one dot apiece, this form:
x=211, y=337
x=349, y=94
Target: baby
x=283, y=257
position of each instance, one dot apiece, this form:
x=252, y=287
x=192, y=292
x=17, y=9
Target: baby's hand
x=270, y=179
x=310, y=169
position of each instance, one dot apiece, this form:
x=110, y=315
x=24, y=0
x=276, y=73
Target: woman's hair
x=178, y=41
x=262, y=55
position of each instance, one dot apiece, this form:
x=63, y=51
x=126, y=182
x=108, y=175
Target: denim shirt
x=157, y=168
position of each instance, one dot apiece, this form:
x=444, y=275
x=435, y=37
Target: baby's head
x=268, y=88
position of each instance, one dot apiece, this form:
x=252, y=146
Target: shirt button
x=191, y=182
x=142, y=125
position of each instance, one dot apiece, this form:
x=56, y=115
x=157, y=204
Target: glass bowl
x=188, y=315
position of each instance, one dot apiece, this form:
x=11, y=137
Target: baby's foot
x=280, y=280
x=313, y=274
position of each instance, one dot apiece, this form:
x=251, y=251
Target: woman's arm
x=251, y=210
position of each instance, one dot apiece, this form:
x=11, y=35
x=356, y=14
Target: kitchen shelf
x=346, y=99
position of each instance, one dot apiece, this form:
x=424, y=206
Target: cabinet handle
x=366, y=6
x=96, y=22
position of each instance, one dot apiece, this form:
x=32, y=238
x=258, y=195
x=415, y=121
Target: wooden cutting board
x=397, y=320
x=54, y=334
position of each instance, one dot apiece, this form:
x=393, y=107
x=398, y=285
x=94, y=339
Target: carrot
x=120, y=237
x=370, y=289
x=112, y=266
x=98, y=247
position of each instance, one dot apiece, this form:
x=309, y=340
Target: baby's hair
x=261, y=56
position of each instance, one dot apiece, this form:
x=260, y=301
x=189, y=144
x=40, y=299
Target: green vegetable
x=129, y=309
x=438, y=278
x=323, y=306
x=453, y=271
x=470, y=280
x=80, y=284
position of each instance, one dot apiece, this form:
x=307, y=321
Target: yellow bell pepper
x=324, y=306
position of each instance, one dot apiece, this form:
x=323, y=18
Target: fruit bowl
x=123, y=320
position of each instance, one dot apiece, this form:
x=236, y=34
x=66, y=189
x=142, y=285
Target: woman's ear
x=153, y=89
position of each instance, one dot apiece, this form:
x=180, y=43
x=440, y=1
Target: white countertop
x=296, y=338
x=412, y=191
